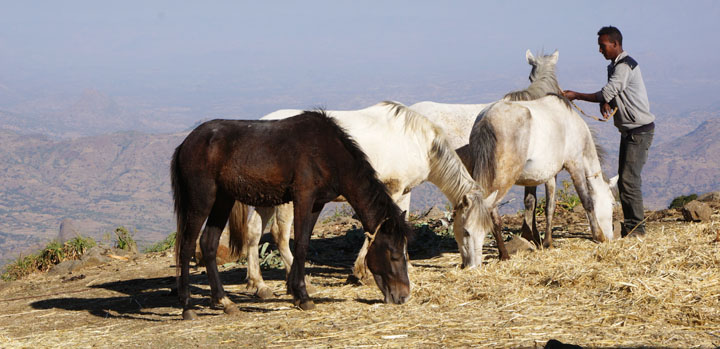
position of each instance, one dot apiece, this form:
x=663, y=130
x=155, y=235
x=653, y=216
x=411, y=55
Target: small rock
x=66, y=267
x=696, y=211
x=94, y=256
x=711, y=196
x=519, y=244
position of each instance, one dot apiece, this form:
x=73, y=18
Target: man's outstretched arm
x=588, y=97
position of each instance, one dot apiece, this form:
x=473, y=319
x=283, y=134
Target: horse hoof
x=189, y=315
x=307, y=305
x=231, y=310
x=264, y=293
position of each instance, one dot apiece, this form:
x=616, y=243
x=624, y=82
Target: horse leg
x=581, y=187
x=256, y=226
x=280, y=230
x=209, y=244
x=549, y=211
x=529, y=226
x=497, y=232
x=304, y=224
x=191, y=230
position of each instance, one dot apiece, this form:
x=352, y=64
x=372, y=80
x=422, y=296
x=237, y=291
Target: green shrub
x=567, y=198
x=270, y=258
x=53, y=253
x=164, y=245
x=681, y=200
x=124, y=239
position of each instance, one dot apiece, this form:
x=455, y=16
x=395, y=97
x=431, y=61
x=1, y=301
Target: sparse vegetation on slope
x=52, y=254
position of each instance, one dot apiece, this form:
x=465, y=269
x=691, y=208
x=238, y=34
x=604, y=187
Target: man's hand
x=605, y=110
x=571, y=95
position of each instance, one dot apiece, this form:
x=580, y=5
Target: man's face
x=609, y=49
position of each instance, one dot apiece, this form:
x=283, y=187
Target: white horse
x=405, y=149
x=459, y=116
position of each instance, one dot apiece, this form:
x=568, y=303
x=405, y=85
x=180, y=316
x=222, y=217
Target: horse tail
x=483, y=145
x=179, y=198
x=238, y=226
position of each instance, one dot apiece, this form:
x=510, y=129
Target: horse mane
x=446, y=168
x=380, y=201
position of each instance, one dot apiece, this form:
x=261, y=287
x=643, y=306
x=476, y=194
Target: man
x=625, y=91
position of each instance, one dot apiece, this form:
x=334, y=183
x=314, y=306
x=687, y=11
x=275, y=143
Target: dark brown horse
x=307, y=159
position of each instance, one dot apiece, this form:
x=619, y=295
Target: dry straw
x=662, y=291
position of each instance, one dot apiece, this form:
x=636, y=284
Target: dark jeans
x=633, y=155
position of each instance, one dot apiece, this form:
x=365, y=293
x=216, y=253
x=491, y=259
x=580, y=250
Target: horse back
x=260, y=162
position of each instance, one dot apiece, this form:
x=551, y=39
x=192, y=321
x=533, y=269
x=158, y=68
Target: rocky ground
x=113, y=298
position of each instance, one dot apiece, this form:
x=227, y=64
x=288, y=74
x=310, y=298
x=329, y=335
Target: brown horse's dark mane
x=380, y=201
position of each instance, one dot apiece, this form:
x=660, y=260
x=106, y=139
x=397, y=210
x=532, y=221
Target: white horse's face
x=603, y=200
x=472, y=222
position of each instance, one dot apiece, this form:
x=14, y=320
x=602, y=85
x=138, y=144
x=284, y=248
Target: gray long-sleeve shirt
x=626, y=91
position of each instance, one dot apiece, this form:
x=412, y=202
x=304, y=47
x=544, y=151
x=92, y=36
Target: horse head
x=542, y=64
x=471, y=222
x=603, y=199
x=387, y=259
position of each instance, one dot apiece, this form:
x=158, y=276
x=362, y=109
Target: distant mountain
x=99, y=182
x=689, y=164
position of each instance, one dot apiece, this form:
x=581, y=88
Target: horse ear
x=529, y=56
x=403, y=215
x=555, y=57
x=466, y=200
x=490, y=200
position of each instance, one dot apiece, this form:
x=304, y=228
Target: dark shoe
x=636, y=234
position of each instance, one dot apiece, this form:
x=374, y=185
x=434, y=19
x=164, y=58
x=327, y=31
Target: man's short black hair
x=612, y=33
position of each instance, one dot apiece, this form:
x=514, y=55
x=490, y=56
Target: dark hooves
x=189, y=315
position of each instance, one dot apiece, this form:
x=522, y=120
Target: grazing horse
x=405, y=149
x=458, y=119
x=307, y=159
x=528, y=143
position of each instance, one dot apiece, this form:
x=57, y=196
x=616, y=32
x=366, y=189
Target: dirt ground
x=663, y=291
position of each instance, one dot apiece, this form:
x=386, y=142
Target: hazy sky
x=304, y=53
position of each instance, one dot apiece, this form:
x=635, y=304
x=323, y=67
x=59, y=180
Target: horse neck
x=546, y=83
x=369, y=198
x=447, y=171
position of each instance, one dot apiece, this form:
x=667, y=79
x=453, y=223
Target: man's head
x=610, y=42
